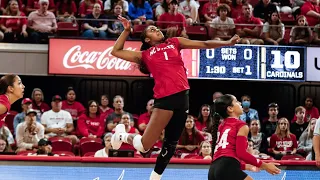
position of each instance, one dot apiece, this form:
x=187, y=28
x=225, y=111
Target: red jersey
x=4, y=100
x=210, y=9
x=305, y=8
x=75, y=109
x=66, y=8
x=87, y=9
x=165, y=64
x=88, y=125
x=34, y=4
x=144, y=118
x=14, y=23
x=283, y=144
x=201, y=126
x=104, y=113
x=310, y=113
x=43, y=107
x=166, y=19
x=227, y=136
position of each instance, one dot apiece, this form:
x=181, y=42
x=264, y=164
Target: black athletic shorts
x=174, y=102
x=226, y=168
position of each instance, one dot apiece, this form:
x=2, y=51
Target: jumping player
x=11, y=89
x=231, y=143
x=161, y=57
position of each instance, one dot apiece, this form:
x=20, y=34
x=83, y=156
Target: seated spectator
x=273, y=30
x=189, y=8
x=38, y=103
x=66, y=10
x=86, y=7
x=45, y=148
x=301, y=33
x=34, y=5
x=209, y=10
x=190, y=138
x=5, y=131
x=114, y=118
x=250, y=34
x=29, y=132
x=14, y=28
x=248, y=113
x=250, y=149
x=58, y=122
x=316, y=34
x=4, y=5
x=109, y=5
x=205, y=150
x=172, y=22
x=91, y=124
x=264, y=9
x=107, y=145
x=4, y=145
x=223, y=27
x=311, y=110
x=145, y=117
x=115, y=27
x=163, y=8
x=140, y=12
x=204, y=122
x=299, y=125
x=305, y=140
x=259, y=140
x=283, y=142
x=104, y=109
x=42, y=23
x=72, y=106
x=19, y=118
x=236, y=8
x=284, y=6
x=311, y=10
x=269, y=125
x=93, y=27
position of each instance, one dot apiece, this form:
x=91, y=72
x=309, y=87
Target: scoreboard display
x=283, y=63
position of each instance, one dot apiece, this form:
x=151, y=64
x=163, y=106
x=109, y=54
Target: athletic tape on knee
x=137, y=144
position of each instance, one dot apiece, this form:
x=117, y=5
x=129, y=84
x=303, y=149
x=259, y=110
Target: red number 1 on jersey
x=223, y=141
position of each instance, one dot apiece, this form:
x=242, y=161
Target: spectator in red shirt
x=190, y=138
x=74, y=107
x=33, y=5
x=172, y=22
x=145, y=117
x=90, y=124
x=311, y=10
x=38, y=101
x=86, y=7
x=14, y=28
x=104, y=109
x=209, y=10
x=204, y=121
x=66, y=9
x=4, y=4
x=283, y=142
x=205, y=150
x=251, y=33
x=236, y=8
x=311, y=110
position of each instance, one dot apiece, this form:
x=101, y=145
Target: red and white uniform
x=227, y=136
x=165, y=64
x=283, y=144
x=4, y=100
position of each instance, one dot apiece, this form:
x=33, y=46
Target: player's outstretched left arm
x=193, y=44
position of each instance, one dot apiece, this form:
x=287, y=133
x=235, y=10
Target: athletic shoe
x=117, y=139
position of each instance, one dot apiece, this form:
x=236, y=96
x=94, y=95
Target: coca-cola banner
x=93, y=57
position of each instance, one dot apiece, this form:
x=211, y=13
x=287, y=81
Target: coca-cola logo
x=75, y=58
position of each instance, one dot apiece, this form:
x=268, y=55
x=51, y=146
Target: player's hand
x=249, y=167
x=271, y=168
x=125, y=22
x=235, y=39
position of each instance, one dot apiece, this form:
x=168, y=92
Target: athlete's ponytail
x=214, y=130
x=142, y=66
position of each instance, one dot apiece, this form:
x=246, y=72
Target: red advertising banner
x=93, y=57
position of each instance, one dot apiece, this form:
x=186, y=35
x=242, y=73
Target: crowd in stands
x=274, y=22
x=64, y=128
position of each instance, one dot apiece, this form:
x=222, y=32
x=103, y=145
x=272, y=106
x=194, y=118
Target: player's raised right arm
x=118, y=51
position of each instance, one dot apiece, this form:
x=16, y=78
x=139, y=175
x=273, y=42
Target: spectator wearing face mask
x=248, y=113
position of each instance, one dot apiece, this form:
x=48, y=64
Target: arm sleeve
x=241, y=151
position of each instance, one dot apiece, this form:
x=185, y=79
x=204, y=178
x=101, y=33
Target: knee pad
x=168, y=149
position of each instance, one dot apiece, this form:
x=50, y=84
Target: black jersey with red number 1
x=165, y=63
x=227, y=136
